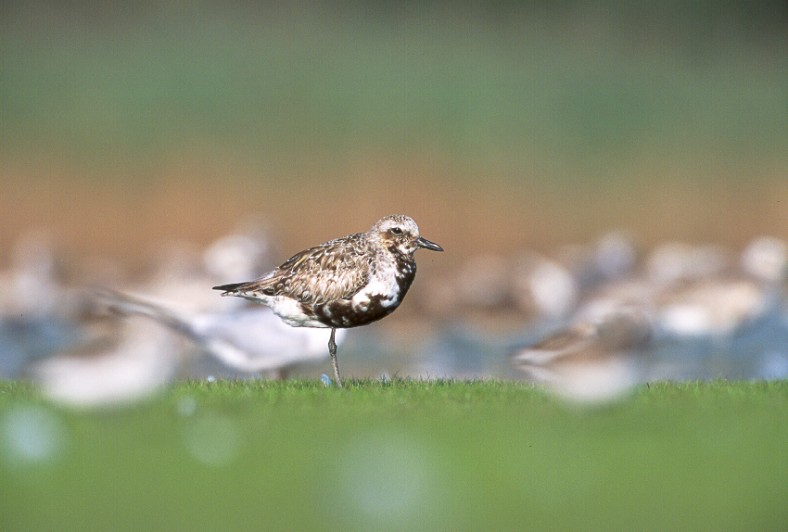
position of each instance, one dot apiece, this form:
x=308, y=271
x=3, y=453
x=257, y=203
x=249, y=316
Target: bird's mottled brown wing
x=337, y=269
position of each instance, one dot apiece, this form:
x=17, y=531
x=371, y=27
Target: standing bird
x=343, y=283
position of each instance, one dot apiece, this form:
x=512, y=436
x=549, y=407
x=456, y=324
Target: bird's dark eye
x=396, y=230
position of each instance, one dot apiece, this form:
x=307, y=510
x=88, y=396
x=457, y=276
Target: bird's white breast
x=383, y=286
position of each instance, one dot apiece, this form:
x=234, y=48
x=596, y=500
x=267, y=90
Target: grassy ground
x=398, y=455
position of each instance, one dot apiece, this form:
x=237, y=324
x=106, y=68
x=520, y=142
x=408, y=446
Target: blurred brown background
x=497, y=126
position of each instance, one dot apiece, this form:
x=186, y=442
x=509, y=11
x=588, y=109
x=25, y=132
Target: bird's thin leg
x=332, y=350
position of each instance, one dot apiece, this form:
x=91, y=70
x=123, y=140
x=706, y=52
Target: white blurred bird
x=250, y=339
x=32, y=286
x=39, y=310
x=766, y=258
x=120, y=366
x=183, y=268
x=542, y=287
x=720, y=300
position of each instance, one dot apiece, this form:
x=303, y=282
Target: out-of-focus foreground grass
x=399, y=455
x=506, y=124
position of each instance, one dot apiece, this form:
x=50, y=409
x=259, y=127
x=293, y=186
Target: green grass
x=400, y=455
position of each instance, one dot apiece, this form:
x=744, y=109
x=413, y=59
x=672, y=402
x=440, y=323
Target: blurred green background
x=496, y=125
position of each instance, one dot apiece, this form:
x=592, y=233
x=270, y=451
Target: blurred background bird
x=590, y=362
x=246, y=339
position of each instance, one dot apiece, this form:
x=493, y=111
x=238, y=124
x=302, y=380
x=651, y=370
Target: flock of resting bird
x=588, y=321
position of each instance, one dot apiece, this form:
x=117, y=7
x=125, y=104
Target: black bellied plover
x=345, y=282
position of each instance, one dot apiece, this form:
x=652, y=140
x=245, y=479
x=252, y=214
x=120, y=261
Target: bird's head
x=401, y=234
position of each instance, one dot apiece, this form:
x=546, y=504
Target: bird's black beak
x=426, y=244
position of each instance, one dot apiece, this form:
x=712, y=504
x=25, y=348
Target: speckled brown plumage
x=345, y=282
